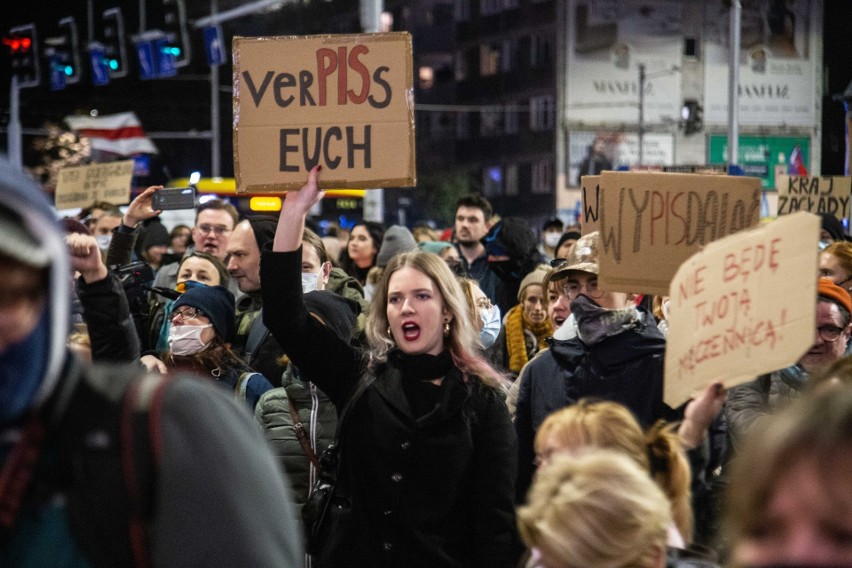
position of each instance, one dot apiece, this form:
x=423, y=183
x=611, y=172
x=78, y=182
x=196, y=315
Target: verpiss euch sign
x=344, y=102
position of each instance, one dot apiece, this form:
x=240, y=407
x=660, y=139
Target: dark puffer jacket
x=319, y=421
x=750, y=402
x=626, y=368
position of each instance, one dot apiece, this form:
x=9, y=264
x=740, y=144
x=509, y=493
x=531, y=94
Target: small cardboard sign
x=82, y=186
x=344, y=102
x=830, y=194
x=651, y=222
x=743, y=306
x=590, y=190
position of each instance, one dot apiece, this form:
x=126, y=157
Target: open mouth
x=410, y=331
x=559, y=321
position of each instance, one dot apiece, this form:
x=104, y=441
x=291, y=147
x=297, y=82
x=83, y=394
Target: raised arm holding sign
x=340, y=101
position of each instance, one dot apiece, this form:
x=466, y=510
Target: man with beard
x=473, y=215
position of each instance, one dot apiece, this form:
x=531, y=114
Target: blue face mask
x=22, y=368
x=490, y=325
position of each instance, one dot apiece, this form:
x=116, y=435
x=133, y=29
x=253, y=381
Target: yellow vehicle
x=338, y=202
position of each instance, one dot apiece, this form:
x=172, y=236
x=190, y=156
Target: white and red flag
x=120, y=133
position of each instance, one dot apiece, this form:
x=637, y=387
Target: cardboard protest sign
x=743, y=306
x=83, y=185
x=815, y=194
x=344, y=102
x=651, y=222
x=590, y=191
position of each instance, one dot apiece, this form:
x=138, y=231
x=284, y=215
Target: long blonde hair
x=462, y=341
x=597, y=509
x=606, y=424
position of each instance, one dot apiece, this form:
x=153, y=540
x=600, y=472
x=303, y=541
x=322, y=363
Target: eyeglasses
x=219, y=230
x=830, y=333
x=572, y=289
x=187, y=313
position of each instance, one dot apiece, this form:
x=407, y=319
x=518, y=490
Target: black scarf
x=423, y=367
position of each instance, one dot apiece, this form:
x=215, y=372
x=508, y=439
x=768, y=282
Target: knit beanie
x=537, y=276
x=215, y=302
x=155, y=235
x=397, y=240
x=832, y=291
x=264, y=229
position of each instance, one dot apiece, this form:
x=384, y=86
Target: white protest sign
x=743, y=306
x=84, y=185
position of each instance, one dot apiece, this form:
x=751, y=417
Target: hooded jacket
x=64, y=520
x=626, y=368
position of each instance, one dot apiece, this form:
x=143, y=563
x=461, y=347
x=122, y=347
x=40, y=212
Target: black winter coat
x=626, y=368
x=436, y=491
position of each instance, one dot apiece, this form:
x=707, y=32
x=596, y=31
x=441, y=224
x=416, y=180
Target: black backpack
x=108, y=428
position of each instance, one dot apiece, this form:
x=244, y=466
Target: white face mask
x=103, y=241
x=310, y=281
x=552, y=239
x=490, y=325
x=186, y=339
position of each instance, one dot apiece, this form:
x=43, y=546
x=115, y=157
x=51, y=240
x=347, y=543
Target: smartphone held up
x=173, y=198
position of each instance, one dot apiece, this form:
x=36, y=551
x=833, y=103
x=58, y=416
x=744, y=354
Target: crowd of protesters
x=486, y=400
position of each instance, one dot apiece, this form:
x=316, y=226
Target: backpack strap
x=241, y=387
x=301, y=435
x=141, y=450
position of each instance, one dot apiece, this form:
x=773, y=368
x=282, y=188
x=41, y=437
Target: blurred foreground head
x=790, y=493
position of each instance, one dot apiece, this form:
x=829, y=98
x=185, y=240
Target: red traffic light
x=18, y=44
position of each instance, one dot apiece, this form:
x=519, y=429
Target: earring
x=446, y=329
x=389, y=333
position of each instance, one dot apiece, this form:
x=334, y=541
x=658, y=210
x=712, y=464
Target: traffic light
x=63, y=54
x=178, y=45
x=22, y=43
x=113, y=41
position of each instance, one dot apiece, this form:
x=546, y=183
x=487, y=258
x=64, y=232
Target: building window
x=511, y=119
x=542, y=176
x=541, y=50
x=542, y=113
x=489, y=59
x=492, y=181
x=512, y=179
x=462, y=10
x=463, y=126
x=442, y=124
x=508, y=51
x=463, y=65
x=427, y=77
x=491, y=121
